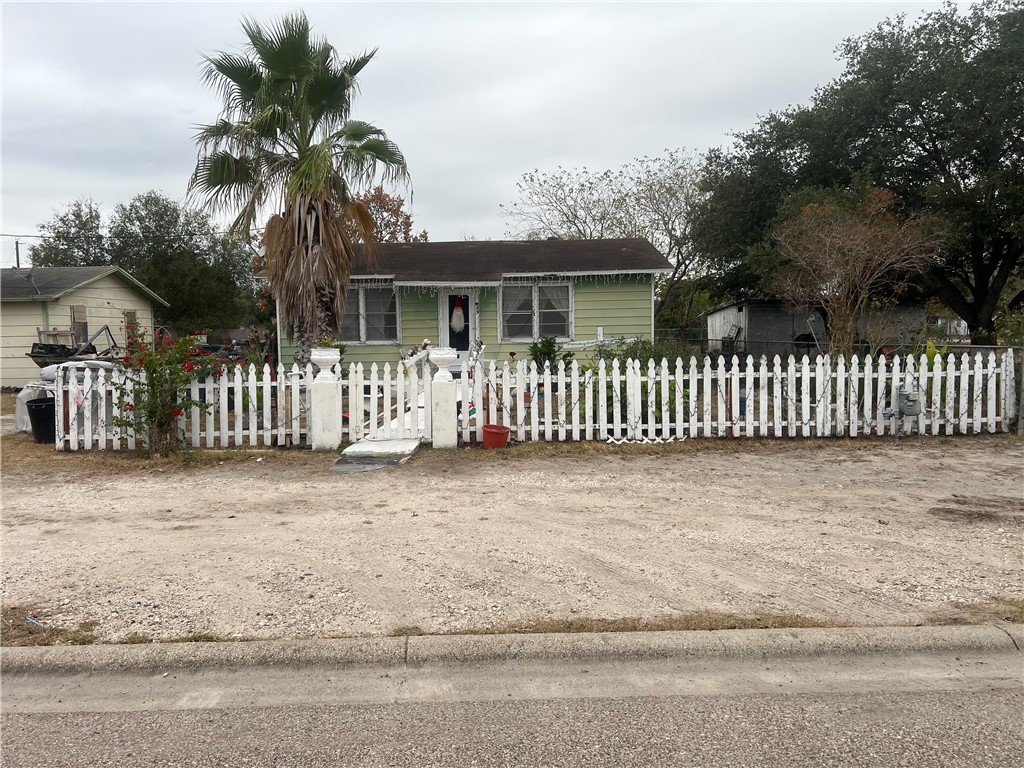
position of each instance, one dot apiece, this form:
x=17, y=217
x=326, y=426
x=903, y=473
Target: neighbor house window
x=371, y=315
x=529, y=312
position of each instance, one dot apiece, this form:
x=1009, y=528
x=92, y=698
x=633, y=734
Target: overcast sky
x=99, y=100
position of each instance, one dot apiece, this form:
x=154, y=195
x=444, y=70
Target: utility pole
x=17, y=253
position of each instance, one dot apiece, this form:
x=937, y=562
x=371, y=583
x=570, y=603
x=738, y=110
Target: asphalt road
x=925, y=709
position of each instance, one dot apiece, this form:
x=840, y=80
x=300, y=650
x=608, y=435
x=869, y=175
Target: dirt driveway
x=866, y=532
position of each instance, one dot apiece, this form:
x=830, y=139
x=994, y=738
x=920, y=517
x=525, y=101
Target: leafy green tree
x=204, y=275
x=285, y=141
x=933, y=111
x=72, y=238
x=175, y=251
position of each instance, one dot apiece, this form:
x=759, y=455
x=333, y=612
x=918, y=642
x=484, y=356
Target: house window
x=529, y=312
x=371, y=316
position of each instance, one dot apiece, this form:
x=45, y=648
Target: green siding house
x=507, y=294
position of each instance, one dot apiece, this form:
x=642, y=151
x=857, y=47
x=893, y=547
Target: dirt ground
x=860, y=531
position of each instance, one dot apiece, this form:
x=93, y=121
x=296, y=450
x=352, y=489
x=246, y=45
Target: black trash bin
x=42, y=412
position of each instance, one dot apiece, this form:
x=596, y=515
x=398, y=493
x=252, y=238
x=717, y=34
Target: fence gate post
x=444, y=420
x=325, y=422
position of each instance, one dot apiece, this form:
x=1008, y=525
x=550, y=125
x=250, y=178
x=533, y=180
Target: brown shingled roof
x=486, y=261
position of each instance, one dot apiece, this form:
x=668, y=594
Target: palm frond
x=354, y=65
x=236, y=77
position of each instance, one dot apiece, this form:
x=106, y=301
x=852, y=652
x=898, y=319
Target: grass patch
x=17, y=630
x=137, y=638
x=1009, y=609
x=739, y=446
x=20, y=454
x=407, y=631
x=198, y=637
x=699, y=620
x=8, y=400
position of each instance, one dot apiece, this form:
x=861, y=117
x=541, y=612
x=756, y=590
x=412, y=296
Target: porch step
x=367, y=455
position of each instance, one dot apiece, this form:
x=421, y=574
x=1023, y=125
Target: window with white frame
x=371, y=316
x=530, y=311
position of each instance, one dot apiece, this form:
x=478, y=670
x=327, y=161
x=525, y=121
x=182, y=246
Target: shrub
x=644, y=350
x=155, y=393
x=548, y=351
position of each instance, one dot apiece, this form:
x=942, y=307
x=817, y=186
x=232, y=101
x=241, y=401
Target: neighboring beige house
x=71, y=303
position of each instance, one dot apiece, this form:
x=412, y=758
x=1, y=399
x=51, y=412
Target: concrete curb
x=461, y=649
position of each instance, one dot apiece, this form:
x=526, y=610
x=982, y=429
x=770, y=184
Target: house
x=507, y=294
x=65, y=305
x=770, y=327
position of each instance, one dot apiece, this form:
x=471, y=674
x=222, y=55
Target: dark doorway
x=459, y=340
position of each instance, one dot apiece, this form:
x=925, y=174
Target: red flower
x=129, y=406
x=177, y=412
x=189, y=367
x=128, y=358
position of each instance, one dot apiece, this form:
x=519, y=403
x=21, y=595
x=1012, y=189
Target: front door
x=458, y=321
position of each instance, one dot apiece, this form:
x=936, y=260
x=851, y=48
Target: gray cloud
x=100, y=100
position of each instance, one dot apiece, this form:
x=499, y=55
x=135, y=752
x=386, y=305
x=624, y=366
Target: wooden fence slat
x=778, y=396
x=706, y=386
x=616, y=377
x=680, y=401
x=840, y=425
x=923, y=378
x=819, y=397
x=882, y=372
x=963, y=394
x=763, y=390
x=749, y=392
x=1010, y=414
x=666, y=410
x=936, y=393
x=574, y=406
x=991, y=412
x=721, y=384
x=651, y=416
x=692, y=400
x=535, y=433
x=735, y=385
x=103, y=428
x=85, y=409
x=560, y=400
x=977, y=393
x=951, y=392
x=268, y=400
x=805, y=397
x=588, y=383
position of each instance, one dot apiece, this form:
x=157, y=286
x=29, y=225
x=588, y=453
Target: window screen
x=553, y=310
x=381, y=317
x=350, y=325
x=517, y=312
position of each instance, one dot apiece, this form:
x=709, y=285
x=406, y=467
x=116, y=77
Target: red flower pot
x=495, y=436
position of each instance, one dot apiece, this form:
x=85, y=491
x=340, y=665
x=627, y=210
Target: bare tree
x=649, y=197
x=840, y=258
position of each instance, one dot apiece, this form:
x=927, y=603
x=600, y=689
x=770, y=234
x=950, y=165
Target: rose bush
x=155, y=393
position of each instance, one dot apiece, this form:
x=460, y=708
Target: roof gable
x=50, y=283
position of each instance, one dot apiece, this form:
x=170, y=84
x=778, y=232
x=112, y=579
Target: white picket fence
x=253, y=408
x=616, y=402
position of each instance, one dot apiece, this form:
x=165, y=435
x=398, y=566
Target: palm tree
x=285, y=144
